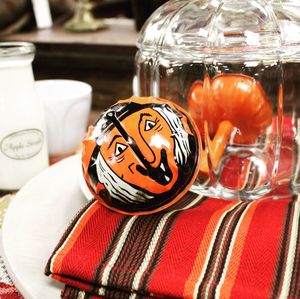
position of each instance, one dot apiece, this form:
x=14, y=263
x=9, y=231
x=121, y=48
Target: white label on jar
x=23, y=144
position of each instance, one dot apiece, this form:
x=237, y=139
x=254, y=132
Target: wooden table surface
x=120, y=32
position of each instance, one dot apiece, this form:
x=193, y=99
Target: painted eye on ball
x=149, y=124
x=119, y=149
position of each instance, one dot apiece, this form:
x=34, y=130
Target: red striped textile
x=202, y=248
x=212, y=249
x=8, y=291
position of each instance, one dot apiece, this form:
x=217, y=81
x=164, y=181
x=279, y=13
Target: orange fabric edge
x=203, y=248
x=237, y=252
x=68, y=244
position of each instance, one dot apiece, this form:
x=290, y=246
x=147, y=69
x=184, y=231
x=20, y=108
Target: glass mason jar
x=221, y=61
x=23, y=147
x=238, y=106
x=288, y=16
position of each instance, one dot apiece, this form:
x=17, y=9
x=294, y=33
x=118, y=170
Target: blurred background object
x=83, y=19
x=14, y=15
x=102, y=59
x=112, y=8
x=17, y=15
x=143, y=9
x=42, y=13
x=137, y=9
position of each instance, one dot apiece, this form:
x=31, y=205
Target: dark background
x=17, y=15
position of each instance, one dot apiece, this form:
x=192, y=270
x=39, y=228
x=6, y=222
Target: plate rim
x=6, y=255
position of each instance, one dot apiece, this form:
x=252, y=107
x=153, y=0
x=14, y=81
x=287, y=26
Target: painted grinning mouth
x=161, y=174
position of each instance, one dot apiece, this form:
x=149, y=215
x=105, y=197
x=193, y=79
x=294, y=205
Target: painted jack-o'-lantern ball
x=141, y=155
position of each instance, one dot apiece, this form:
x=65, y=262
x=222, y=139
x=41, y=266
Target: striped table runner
x=212, y=248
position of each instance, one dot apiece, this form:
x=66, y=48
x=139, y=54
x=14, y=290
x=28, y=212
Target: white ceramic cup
x=67, y=104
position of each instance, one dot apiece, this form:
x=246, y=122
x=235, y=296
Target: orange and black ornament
x=141, y=156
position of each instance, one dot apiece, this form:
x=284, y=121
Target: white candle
x=42, y=13
x=23, y=146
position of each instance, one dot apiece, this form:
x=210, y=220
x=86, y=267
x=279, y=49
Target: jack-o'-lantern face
x=147, y=161
x=141, y=155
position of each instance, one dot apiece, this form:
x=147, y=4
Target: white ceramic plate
x=34, y=223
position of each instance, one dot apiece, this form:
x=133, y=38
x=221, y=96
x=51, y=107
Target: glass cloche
x=224, y=62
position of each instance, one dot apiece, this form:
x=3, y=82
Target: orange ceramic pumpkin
x=236, y=98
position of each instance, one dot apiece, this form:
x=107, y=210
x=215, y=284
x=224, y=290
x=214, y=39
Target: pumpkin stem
x=215, y=148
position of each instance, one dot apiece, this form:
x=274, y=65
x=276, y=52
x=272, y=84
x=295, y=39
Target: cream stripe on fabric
x=149, y=254
x=153, y=244
x=101, y=291
x=291, y=252
x=117, y=251
x=219, y=286
x=81, y=295
x=206, y=295
x=196, y=288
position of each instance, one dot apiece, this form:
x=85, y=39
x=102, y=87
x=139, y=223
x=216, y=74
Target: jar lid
x=288, y=16
x=9, y=49
x=197, y=27
x=243, y=24
x=152, y=30
x=189, y=27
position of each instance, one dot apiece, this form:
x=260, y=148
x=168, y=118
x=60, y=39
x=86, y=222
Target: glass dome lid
x=288, y=16
x=190, y=26
x=153, y=28
x=248, y=23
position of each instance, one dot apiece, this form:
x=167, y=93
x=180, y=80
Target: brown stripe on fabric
x=199, y=202
x=72, y=293
x=162, y=241
x=133, y=252
x=137, y=244
x=65, y=294
x=152, y=258
x=194, y=200
x=295, y=282
x=224, y=250
x=158, y=252
x=282, y=257
x=109, y=252
x=181, y=204
x=220, y=250
x=113, y=293
x=66, y=234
